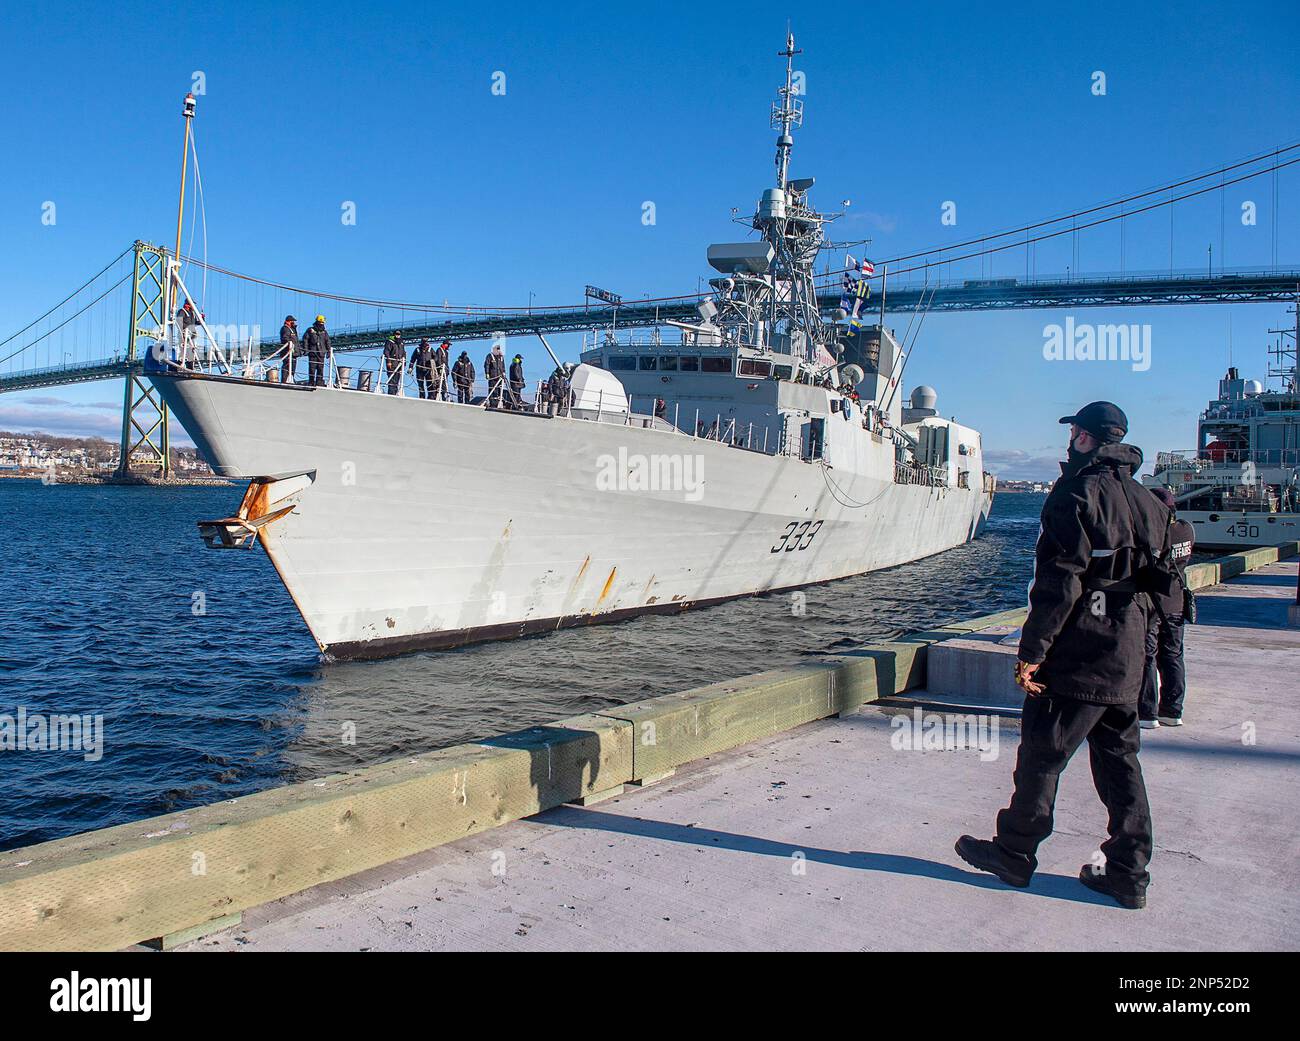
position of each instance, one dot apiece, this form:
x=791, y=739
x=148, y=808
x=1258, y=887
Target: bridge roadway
x=994, y=294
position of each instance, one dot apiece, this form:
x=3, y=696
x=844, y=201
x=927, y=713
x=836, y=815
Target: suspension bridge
x=102, y=330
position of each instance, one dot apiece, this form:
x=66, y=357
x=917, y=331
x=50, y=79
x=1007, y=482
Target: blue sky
x=465, y=195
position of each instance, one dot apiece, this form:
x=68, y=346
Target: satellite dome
x=924, y=397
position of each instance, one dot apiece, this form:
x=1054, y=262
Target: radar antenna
x=788, y=113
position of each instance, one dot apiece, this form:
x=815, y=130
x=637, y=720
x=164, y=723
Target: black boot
x=989, y=856
x=1099, y=882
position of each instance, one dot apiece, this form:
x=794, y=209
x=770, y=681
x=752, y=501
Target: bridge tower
x=144, y=413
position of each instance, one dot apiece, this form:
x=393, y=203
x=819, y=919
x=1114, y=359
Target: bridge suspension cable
x=1073, y=229
x=827, y=280
x=37, y=321
x=1275, y=154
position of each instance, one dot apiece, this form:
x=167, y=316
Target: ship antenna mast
x=172, y=283
x=790, y=113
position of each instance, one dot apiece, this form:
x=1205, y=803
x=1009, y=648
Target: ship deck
x=826, y=837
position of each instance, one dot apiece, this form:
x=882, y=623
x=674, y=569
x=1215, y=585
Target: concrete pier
x=838, y=834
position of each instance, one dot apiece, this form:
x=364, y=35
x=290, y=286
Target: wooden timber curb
x=175, y=875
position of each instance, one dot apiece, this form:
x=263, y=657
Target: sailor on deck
x=494, y=371
x=423, y=362
x=441, y=368
x=462, y=373
x=317, y=345
x=289, y=348
x=394, y=362
x=517, y=382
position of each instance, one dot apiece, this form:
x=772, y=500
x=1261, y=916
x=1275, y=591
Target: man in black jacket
x=288, y=345
x=462, y=373
x=560, y=391
x=1081, y=659
x=441, y=368
x=394, y=362
x=517, y=382
x=494, y=371
x=423, y=360
x=317, y=345
x=1162, y=702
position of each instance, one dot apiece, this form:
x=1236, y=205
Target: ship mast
x=768, y=298
x=789, y=115
x=793, y=229
x=1284, y=367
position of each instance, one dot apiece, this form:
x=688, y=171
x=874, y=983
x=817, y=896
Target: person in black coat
x=1081, y=659
x=517, y=382
x=462, y=374
x=494, y=371
x=316, y=344
x=560, y=392
x=289, y=347
x=423, y=361
x=394, y=362
x=1162, y=702
x=441, y=369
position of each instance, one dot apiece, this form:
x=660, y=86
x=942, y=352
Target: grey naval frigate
x=776, y=451
x=1240, y=486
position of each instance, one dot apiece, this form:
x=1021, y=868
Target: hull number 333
x=797, y=536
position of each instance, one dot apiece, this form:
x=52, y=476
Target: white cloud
x=1015, y=464
x=64, y=418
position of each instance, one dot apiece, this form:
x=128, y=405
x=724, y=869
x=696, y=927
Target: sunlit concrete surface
x=830, y=837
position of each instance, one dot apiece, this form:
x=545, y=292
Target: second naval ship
x=776, y=452
x=1240, y=486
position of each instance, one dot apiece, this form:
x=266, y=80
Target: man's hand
x=1025, y=679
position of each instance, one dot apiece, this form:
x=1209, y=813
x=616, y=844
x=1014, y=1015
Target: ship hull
x=407, y=524
x=1241, y=529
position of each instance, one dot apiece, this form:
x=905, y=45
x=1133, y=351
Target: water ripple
x=205, y=706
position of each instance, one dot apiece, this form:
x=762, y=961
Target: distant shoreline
x=107, y=481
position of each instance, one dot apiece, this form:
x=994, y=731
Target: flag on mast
x=865, y=269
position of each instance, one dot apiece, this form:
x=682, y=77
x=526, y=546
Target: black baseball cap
x=1102, y=419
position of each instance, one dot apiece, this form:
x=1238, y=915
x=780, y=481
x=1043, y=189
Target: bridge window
x=621, y=362
x=647, y=363
x=752, y=367
x=783, y=372
x=690, y=364
x=715, y=364
x=667, y=363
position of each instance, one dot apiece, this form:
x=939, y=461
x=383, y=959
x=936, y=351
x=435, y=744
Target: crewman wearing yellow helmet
x=316, y=343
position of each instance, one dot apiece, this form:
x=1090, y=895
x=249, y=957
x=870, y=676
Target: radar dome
x=924, y=397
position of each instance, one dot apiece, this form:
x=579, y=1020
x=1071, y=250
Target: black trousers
x=394, y=381
x=286, y=369
x=1164, y=659
x=315, y=371
x=1052, y=729
x=463, y=393
x=424, y=381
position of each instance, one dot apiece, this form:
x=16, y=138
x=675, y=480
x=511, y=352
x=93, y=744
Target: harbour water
x=210, y=687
